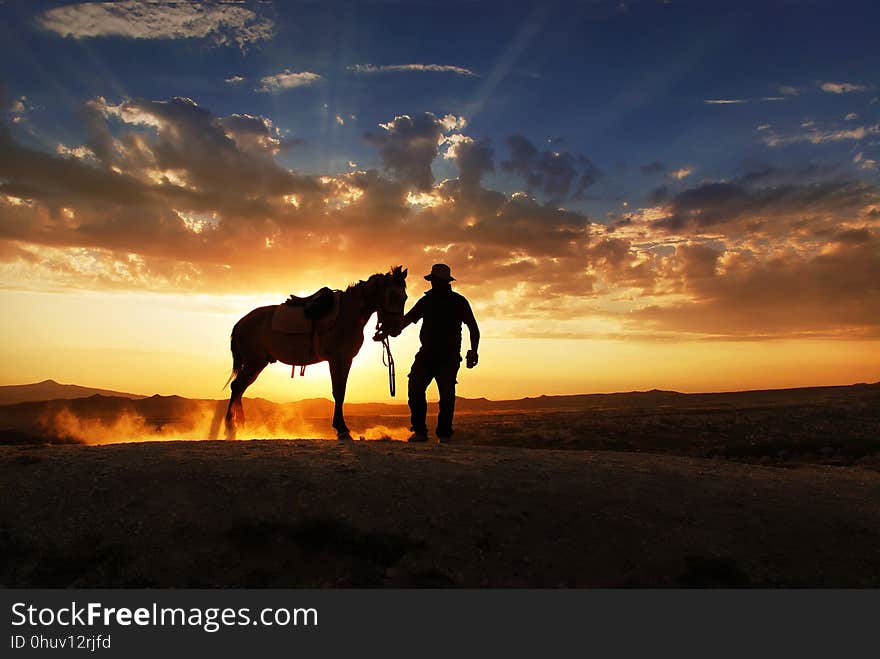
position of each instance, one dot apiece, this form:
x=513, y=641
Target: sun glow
x=198, y=222
x=179, y=344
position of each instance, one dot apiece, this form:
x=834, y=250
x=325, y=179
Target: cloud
x=733, y=294
x=18, y=110
x=696, y=261
x=816, y=136
x=198, y=157
x=738, y=101
x=557, y=173
x=681, y=173
x=474, y=159
x=81, y=152
x=234, y=80
x=864, y=163
x=659, y=195
x=372, y=69
x=166, y=195
x=409, y=145
x=287, y=79
x=788, y=90
x=220, y=23
x=841, y=87
x=182, y=199
x=775, y=208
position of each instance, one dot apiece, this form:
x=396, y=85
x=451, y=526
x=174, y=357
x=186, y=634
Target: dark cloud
x=620, y=264
x=659, y=195
x=739, y=205
x=652, y=168
x=474, y=159
x=217, y=154
x=523, y=156
x=408, y=147
x=590, y=174
x=854, y=236
x=697, y=261
x=57, y=181
x=99, y=138
x=832, y=293
x=807, y=173
x=557, y=174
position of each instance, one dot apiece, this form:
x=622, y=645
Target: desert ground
x=652, y=489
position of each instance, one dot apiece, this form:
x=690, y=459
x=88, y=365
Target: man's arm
x=474, y=332
x=414, y=315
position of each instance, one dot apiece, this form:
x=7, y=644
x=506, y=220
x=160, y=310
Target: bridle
x=387, y=358
x=387, y=312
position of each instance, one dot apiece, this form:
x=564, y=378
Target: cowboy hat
x=440, y=271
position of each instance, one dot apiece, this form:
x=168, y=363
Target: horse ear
x=404, y=272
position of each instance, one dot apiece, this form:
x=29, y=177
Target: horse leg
x=339, y=376
x=245, y=378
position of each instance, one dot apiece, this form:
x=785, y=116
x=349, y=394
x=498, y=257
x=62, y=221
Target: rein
x=388, y=360
x=387, y=357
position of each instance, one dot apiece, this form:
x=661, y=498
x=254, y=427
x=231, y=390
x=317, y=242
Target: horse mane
x=396, y=272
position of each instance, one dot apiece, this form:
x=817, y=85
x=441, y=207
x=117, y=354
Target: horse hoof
x=344, y=436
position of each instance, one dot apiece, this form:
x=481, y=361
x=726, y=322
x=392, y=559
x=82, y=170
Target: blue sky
x=624, y=85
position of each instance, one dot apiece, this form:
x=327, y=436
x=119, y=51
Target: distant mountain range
x=51, y=390
x=49, y=411
x=48, y=390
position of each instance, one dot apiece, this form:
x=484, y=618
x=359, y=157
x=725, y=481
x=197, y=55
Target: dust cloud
x=197, y=420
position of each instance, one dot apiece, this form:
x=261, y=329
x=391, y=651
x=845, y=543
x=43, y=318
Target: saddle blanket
x=292, y=319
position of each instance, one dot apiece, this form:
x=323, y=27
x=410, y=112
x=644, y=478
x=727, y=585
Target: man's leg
x=446, y=374
x=419, y=377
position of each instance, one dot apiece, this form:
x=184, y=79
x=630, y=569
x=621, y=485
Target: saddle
x=304, y=319
x=315, y=305
x=305, y=315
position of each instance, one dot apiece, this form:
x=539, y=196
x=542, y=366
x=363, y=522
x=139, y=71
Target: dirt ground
x=380, y=513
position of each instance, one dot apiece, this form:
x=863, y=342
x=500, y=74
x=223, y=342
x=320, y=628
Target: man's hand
x=379, y=335
x=472, y=358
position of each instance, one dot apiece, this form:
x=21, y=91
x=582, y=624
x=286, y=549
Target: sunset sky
x=680, y=195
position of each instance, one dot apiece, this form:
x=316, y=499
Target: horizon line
x=127, y=394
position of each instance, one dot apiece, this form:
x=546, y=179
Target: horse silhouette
x=255, y=343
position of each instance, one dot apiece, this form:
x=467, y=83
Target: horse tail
x=237, y=361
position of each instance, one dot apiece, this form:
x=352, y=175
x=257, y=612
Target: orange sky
x=125, y=261
x=173, y=344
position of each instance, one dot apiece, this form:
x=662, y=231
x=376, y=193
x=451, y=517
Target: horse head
x=389, y=299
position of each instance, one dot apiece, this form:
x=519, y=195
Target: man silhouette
x=442, y=312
